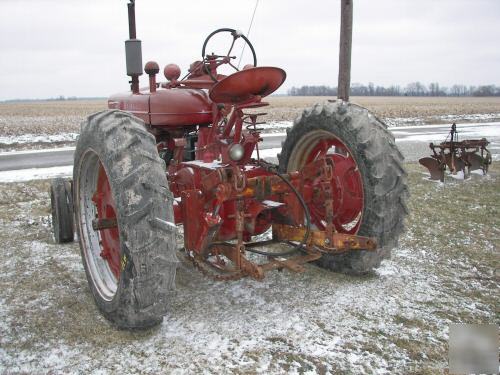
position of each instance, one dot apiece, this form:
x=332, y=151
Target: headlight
x=236, y=152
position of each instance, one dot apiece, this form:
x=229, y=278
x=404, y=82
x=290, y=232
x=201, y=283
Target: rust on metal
x=223, y=201
x=466, y=156
x=108, y=223
x=294, y=264
x=336, y=242
x=220, y=270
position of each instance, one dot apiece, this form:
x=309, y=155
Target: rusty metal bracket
x=294, y=264
x=336, y=243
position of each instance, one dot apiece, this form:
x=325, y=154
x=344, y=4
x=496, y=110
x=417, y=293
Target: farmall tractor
x=185, y=154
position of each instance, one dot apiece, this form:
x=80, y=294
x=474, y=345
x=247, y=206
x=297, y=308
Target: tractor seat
x=246, y=84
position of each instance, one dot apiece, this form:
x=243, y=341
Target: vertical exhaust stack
x=133, y=51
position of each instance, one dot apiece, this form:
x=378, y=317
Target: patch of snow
x=36, y=173
x=467, y=117
x=275, y=126
x=268, y=135
x=465, y=131
x=458, y=176
x=268, y=153
x=38, y=138
x=272, y=204
x=393, y=122
x=213, y=165
x=43, y=150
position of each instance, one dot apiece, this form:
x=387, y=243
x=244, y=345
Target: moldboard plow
x=465, y=156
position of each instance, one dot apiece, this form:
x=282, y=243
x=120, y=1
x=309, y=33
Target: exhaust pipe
x=133, y=51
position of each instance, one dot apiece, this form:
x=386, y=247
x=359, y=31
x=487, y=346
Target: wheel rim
x=346, y=183
x=101, y=248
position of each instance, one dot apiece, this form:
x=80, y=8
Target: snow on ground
x=466, y=118
x=269, y=127
x=412, y=141
x=270, y=153
x=35, y=151
x=38, y=138
x=36, y=173
x=465, y=131
x=394, y=321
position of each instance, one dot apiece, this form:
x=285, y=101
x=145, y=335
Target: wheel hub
x=346, y=184
x=110, y=237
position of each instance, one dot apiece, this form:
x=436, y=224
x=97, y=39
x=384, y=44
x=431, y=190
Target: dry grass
x=46, y=117
x=442, y=272
x=286, y=108
x=57, y=117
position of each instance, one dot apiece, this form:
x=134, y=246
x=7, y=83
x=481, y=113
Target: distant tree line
x=59, y=98
x=411, y=89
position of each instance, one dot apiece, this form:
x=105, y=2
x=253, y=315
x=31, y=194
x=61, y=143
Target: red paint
x=347, y=186
x=110, y=238
x=166, y=107
x=180, y=107
x=210, y=189
x=245, y=85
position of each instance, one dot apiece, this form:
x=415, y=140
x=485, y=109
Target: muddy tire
x=130, y=266
x=380, y=166
x=61, y=201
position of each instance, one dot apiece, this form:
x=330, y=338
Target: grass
x=444, y=271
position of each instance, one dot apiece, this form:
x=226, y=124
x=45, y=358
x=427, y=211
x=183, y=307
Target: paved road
x=10, y=161
x=413, y=142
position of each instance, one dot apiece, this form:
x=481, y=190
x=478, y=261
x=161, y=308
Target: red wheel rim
x=346, y=183
x=109, y=238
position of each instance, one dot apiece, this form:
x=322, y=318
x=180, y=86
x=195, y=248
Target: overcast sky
x=75, y=47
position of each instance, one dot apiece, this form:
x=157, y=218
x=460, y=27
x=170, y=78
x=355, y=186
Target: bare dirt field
x=56, y=117
x=427, y=109
x=445, y=270
x=51, y=117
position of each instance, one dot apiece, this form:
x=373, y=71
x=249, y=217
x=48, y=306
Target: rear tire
x=130, y=268
x=62, y=210
x=380, y=165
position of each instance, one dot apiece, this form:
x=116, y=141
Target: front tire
x=131, y=263
x=373, y=179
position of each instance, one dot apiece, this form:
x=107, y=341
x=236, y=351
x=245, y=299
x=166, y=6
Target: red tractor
x=185, y=153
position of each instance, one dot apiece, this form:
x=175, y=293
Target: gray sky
x=75, y=47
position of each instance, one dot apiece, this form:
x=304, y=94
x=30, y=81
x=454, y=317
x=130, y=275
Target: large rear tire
x=131, y=264
x=372, y=180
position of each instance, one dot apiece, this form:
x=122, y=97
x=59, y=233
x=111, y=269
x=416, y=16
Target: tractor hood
x=166, y=107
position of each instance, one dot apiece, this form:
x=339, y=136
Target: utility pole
x=344, y=84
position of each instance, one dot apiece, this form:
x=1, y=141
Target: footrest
x=294, y=264
x=288, y=264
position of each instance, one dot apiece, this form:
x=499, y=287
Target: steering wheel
x=214, y=61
